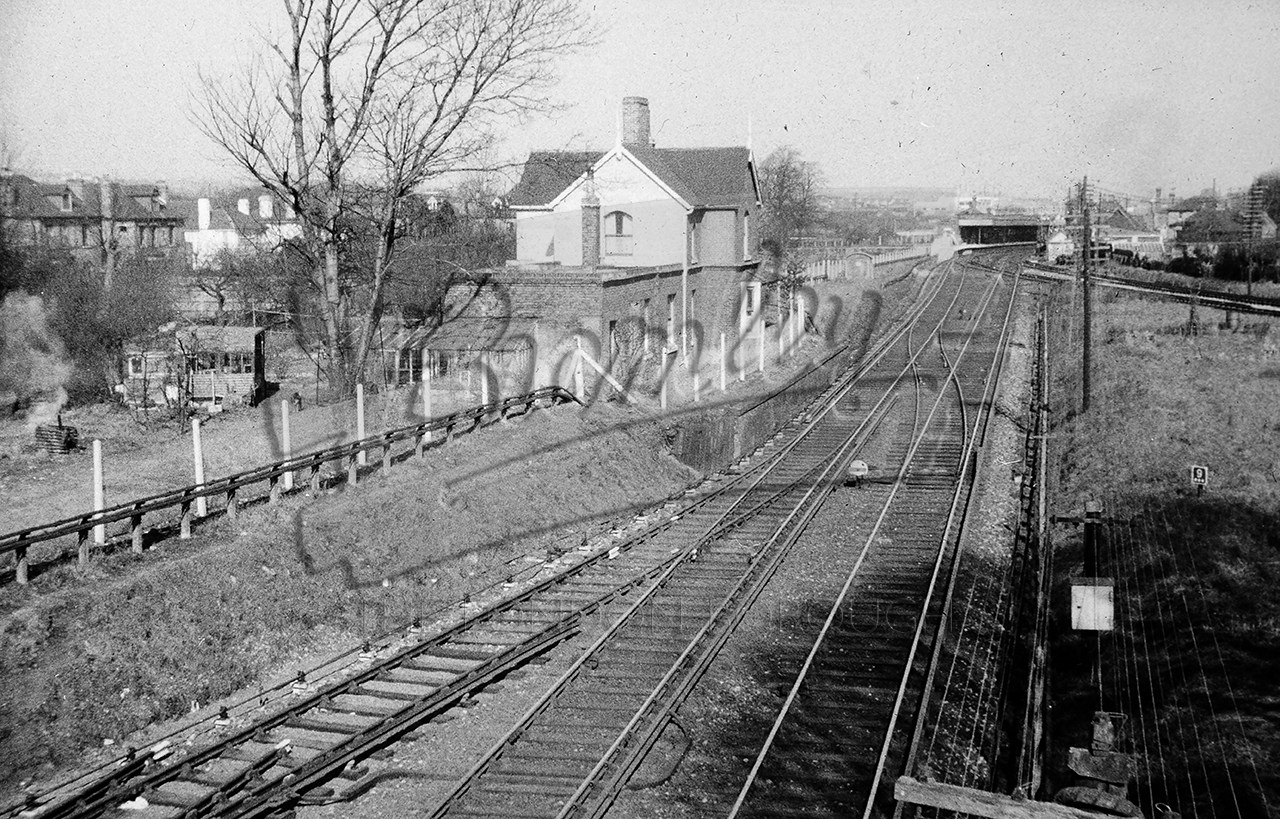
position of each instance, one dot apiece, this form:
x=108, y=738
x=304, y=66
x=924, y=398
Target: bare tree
x=359, y=104
x=789, y=187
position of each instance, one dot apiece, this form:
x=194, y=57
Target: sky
x=1013, y=98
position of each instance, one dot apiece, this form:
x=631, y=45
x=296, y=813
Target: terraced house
x=640, y=251
x=95, y=220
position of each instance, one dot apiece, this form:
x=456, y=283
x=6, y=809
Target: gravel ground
x=81, y=627
x=731, y=711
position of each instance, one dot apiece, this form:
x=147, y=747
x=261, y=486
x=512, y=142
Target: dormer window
x=617, y=234
x=66, y=201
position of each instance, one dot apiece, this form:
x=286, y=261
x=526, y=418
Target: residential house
x=95, y=220
x=213, y=366
x=257, y=221
x=637, y=249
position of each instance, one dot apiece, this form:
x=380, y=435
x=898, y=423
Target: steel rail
x=833, y=396
x=963, y=490
x=990, y=388
x=130, y=767
x=1218, y=299
x=735, y=606
x=837, y=606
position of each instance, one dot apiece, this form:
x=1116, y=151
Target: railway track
x=692, y=575
x=843, y=726
x=573, y=752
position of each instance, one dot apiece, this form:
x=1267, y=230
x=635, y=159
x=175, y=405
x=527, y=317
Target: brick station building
x=637, y=252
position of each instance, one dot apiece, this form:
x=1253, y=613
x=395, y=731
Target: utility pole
x=1253, y=222
x=1087, y=341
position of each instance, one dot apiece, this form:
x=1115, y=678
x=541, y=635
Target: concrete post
x=99, y=497
x=426, y=394
x=760, y=345
x=361, y=459
x=484, y=378
x=724, y=365
x=286, y=446
x=202, y=503
x=579, y=385
x=791, y=316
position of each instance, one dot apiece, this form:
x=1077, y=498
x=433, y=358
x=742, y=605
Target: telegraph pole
x=1087, y=345
x=1253, y=221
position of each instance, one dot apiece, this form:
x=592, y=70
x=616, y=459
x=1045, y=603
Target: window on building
x=746, y=237
x=84, y=236
x=693, y=306
x=748, y=300
x=613, y=340
x=66, y=202
x=137, y=366
x=617, y=234
x=695, y=242
x=168, y=236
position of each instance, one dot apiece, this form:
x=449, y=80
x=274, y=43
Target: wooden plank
x=981, y=803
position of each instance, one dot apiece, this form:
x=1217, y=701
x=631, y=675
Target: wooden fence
x=230, y=487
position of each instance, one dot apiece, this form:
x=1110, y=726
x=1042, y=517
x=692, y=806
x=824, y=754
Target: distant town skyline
x=997, y=97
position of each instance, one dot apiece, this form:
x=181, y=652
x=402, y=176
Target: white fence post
x=361, y=459
x=99, y=497
x=286, y=445
x=202, y=503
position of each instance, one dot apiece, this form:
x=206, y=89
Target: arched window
x=617, y=233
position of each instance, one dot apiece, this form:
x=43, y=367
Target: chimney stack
x=202, y=213
x=162, y=194
x=591, y=225
x=108, y=196
x=635, y=122
x=265, y=207
x=243, y=206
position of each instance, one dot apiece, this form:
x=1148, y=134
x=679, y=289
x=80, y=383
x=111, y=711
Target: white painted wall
x=658, y=220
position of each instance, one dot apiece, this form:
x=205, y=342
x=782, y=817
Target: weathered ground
x=132, y=640
x=92, y=655
x=1196, y=650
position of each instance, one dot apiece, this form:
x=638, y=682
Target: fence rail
x=18, y=542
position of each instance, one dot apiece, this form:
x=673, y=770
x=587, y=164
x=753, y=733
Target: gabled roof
x=39, y=200
x=702, y=177
x=548, y=173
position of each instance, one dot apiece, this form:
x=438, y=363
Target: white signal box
x=1093, y=603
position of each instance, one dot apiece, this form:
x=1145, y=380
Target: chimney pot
x=243, y=206
x=265, y=206
x=635, y=122
x=202, y=213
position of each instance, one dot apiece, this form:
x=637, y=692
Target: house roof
x=26, y=198
x=703, y=177
x=222, y=339
x=547, y=173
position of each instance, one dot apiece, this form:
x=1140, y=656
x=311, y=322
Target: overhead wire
x=1235, y=704
x=1197, y=581
x=1136, y=627
x=1166, y=617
